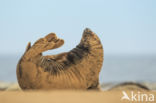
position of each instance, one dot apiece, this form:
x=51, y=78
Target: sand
x=11, y=93
x=66, y=96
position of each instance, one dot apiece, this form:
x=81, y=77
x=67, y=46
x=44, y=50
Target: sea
x=116, y=68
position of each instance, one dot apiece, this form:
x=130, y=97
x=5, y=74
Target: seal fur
x=76, y=69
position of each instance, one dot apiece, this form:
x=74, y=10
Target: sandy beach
x=11, y=93
x=69, y=96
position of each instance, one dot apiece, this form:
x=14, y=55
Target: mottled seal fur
x=76, y=69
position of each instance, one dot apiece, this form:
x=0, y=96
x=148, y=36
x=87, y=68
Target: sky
x=124, y=26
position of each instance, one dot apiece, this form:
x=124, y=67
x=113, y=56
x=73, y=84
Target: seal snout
x=88, y=31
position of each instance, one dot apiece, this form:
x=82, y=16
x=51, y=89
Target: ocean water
x=116, y=68
x=121, y=68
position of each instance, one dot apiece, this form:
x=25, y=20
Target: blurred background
x=127, y=29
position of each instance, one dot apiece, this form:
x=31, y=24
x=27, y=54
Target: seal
x=77, y=69
x=130, y=86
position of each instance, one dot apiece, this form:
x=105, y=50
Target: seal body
x=76, y=69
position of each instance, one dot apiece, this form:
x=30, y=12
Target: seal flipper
x=43, y=44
